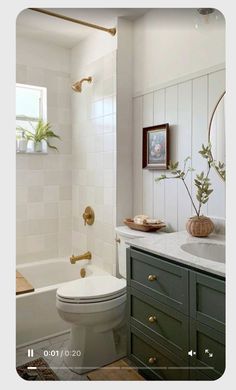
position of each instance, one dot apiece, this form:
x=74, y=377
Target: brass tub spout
x=85, y=256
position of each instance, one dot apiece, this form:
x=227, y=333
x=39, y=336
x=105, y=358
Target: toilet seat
x=92, y=290
x=91, y=295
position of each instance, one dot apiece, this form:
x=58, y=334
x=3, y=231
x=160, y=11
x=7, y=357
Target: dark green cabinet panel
x=173, y=310
x=165, y=325
x=169, y=284
x=209, y=345
x=207, y=300
x=155, y=358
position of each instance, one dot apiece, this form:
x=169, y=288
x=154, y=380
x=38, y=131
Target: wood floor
x=117, y=371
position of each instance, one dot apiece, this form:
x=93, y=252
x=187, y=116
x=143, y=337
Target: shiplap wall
x=187, y=107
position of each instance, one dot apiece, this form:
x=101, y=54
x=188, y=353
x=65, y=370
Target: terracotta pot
x=199, y=226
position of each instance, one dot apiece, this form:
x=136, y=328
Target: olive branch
x=201, y=181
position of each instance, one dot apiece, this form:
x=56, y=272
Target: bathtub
x=36, y=314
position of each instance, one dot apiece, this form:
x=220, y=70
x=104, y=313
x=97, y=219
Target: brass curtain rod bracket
x=111, y=31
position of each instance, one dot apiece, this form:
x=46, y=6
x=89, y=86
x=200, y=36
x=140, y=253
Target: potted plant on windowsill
x=198, y=225
x=42, y=132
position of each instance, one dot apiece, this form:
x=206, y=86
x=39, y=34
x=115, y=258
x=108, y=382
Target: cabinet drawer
x=165, y=325
x=147, y=353
x=207, y=300
x=162, y=280
x=209, y=346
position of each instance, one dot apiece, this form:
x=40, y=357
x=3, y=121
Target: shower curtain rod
x=111, y=31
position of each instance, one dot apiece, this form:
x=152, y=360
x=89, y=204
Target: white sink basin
x=215, y=252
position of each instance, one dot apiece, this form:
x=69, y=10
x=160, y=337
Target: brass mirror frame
x=210, y=123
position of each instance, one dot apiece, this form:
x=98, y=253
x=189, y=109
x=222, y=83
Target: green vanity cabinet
x=163, y=281
x=209, y=347
x=207, y=300
x=176, y=319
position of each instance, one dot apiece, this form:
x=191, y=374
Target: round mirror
x=216, y=136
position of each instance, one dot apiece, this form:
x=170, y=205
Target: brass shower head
x=77, y=87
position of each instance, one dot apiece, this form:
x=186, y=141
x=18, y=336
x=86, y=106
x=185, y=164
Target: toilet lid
x=92, y=289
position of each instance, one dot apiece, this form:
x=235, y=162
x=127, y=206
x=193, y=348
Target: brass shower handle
x=88, y=216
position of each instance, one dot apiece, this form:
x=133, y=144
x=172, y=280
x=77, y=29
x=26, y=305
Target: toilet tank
x=122, y=234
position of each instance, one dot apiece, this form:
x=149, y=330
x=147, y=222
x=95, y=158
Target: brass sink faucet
x=85, y=256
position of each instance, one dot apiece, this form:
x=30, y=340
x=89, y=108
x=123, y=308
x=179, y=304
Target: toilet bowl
x=95, y=308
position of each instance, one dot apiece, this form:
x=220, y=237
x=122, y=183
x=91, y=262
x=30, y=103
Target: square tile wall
x=44, y=182
x=93, y=161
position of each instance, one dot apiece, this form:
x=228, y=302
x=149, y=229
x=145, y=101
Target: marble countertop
x=169, y=245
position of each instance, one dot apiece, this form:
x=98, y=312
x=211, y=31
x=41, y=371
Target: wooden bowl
x=145, y=227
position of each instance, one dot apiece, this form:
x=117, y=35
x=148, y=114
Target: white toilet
x=95, y=308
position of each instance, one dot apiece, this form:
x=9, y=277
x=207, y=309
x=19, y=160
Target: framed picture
x=156, y=147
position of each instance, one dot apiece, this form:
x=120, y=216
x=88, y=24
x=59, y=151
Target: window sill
x=27, y=153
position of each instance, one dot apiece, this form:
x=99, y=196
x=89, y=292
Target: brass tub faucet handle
x=88, y=216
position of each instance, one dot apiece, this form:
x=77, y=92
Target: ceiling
x=66, y=34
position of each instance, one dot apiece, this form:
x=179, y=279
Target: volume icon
x=30, y=353
x=191, y=353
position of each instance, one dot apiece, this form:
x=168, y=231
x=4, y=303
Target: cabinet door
x=207, y=300
x=162, y=280
x=165, y=325
x=208, y=346
x=154, y=360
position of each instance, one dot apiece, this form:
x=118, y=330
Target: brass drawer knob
x=151, y=278
x=152, y=319
x=117, y=240
x=152, y=360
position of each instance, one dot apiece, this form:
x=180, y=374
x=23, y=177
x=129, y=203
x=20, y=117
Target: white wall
x=43, y=182
x=124, y=156
x=167, y=46
x=187, y=107
x=94, y=146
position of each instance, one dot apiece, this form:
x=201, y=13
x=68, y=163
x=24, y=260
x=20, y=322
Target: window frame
x=42, y=103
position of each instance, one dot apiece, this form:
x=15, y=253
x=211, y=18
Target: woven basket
x=199, y=226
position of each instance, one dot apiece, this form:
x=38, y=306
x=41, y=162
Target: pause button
x=30, y=353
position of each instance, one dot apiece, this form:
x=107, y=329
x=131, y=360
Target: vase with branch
x=198, y=225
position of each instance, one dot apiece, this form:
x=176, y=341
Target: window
x=31, y=104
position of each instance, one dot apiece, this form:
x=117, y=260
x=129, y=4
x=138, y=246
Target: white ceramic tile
x=35, y=210
x=98, y=143
x=51, y=193
x=51, y=242
x=97, y=109
x=21, y=228
x=21, y=211
x=35, y=243
x=65, y=193
x=65, y=224
x=65, y=209
x=108, y=142
x=35, y=193
x=109, y=178
x=51, y=210
x=108, y=196
x=108, y=124
x=108, y=105
x=21, y=194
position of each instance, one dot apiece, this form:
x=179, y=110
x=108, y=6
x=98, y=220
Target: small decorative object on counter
x=199, y=225
x=140, y=218
x=144, y=226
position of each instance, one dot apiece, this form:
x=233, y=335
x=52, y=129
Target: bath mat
x=42, y=372
x=117, y=371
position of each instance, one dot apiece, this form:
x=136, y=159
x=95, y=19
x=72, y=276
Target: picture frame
x=156, y=147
